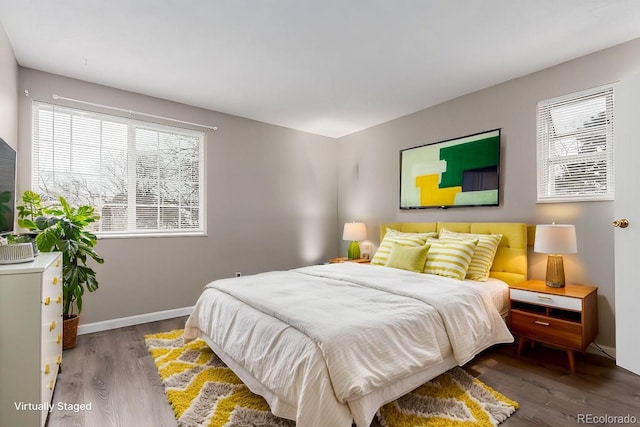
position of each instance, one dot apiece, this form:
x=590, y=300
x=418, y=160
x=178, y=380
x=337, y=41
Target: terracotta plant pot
x=69, y=331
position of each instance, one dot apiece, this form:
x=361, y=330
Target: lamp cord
x=596, y=345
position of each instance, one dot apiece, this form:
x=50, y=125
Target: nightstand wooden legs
x=572, y=361
x=532, y=344
x=520, y=345
x=570, y=353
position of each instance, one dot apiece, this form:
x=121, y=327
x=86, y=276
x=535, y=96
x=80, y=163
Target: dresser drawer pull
x=544, y=297
x=47, y=301
x=59, y=299
x=52, y=326
x=59, y=339
x=59, y=359
x=55, y=281
x=51, y=385
x=538, y=322
x=46, y=369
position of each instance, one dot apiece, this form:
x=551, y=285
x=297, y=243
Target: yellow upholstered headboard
x=510, y=263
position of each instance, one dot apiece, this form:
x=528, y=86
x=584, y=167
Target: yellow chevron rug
x=204, y=392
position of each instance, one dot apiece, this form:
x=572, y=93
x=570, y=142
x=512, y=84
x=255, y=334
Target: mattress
x=497, y=291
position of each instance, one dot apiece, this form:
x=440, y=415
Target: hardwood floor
x=113, y=372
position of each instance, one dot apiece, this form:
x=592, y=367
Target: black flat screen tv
x=457, y=172
x=7, y=187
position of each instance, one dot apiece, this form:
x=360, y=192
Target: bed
x=328, y=345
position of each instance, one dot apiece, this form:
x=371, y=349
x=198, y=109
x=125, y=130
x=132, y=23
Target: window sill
x=102, y=236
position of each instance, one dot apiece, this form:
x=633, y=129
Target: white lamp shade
x=354, y=231
x=555, y=239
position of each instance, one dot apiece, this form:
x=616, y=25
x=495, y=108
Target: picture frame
x=459, y=172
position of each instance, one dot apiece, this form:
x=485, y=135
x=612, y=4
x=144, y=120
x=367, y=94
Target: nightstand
x=562, y=317
x=345, y=259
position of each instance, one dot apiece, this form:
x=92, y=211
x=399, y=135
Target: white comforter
x=321, y=336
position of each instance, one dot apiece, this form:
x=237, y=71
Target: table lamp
x=354, y=231
x=555, y=239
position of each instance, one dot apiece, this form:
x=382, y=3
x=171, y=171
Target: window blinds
x=575, y=147
x=143, y=178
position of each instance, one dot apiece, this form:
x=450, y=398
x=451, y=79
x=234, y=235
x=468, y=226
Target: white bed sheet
x=497, y=291
x=236, y=332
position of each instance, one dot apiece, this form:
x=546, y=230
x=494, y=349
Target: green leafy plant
x=63, y=228
x=12, y=238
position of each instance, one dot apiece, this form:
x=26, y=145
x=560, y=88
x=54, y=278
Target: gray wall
x=277, y=198
x=368, y=171
x=8, y=92
x=271, y=195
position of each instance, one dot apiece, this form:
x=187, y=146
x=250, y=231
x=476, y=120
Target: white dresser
x=30, y=338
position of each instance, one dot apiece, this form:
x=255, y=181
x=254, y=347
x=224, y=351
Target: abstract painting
x=458, y=172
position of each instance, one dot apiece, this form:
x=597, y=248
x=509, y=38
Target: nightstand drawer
x=548, y=300
x=547, y=329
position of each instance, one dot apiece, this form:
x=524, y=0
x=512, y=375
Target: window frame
x=132, y=124
x=546, y=193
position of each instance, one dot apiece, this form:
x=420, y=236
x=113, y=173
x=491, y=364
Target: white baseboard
x=133, y=320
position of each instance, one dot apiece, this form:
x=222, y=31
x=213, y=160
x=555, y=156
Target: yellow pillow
x=410, y=258
x=405, y=239
x=449, y=258
x=482, y=260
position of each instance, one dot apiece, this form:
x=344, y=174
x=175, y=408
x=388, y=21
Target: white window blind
x=142, y=178
x=575, y=147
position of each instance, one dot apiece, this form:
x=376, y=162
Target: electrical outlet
x=238, y=274
x=366, y=250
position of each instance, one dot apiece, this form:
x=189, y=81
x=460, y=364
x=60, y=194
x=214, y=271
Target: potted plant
x=16, y=239
x=63, y=228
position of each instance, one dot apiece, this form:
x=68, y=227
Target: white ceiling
x=330, y=67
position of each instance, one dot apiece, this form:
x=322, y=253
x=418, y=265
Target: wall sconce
x=354, y=231
x=555, y=239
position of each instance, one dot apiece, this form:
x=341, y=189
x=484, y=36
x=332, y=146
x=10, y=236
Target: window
x=575, y=147
x=143, y=178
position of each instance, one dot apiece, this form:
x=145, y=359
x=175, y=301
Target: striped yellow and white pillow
x=449, y=257
x=400, y=238
x=484, y=254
